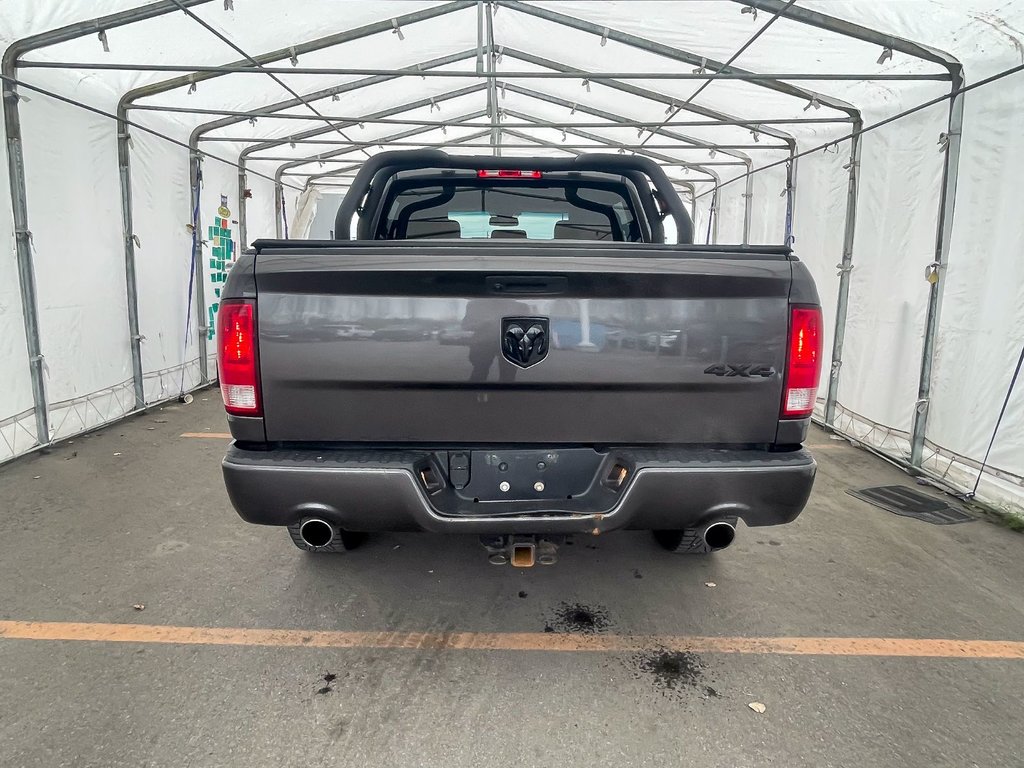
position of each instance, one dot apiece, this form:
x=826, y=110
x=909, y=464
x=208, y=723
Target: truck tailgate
x=403, y=343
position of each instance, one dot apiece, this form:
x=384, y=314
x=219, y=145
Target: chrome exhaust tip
x=316, y=533
x=719, y=535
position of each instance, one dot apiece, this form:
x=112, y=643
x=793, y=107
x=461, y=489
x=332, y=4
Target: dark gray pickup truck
x=509, y=348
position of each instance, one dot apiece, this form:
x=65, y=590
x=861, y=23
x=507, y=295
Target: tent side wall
x=981, y=330
x=163, y=257
x=78, y=253
x=895, y=239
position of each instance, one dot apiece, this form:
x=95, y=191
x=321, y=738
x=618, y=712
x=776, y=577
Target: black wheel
x=690, y=541
x=317, y=530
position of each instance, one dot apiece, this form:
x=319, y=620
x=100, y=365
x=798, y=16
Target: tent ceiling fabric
x=920, y=368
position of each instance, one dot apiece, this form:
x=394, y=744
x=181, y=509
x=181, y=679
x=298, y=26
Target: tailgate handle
x=527, y=284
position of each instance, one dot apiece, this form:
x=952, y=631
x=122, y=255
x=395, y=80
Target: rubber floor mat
x=910, y=503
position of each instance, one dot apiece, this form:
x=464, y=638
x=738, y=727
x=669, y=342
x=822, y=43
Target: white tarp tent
x=230, y=109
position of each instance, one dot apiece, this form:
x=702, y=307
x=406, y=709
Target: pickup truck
x=600, y=378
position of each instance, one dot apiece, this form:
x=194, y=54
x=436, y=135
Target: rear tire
x=687, y=541
x=343, y=541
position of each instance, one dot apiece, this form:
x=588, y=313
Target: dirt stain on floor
x=676, y=674
x=328, y=678
x=578, y=618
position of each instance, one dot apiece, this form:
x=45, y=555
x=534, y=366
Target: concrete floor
x=137, y=515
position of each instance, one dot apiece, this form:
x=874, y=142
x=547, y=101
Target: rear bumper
x=363, y=490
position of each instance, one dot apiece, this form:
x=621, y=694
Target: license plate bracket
x=529, y=475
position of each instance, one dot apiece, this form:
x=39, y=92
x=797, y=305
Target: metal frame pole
x=128, y=231
x=346, y=171
x=661, y=98
x=845, y=267
x=243, y=188
x=371, y=142
x=281, y=227
x=349, y=172
x=611, y=117
x=394, y=110
x=355, y=166
x=271, y=143
x=748, y=201
x=282, y=172
x=693, y=201
x=23, y=253
x=577, y=151
x=385, y=139
x=198, y=289
x=678, y=54
x=845, y=28
x=492, y=90
x=716, y=204
x=480, y=37
x=544, y=143
x=357, y=145
x=645, y=152
x=756, y=124
x=277, y=210
x=943, y=234
x=568, y=74
x=791, y=179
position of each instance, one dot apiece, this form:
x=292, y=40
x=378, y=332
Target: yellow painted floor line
x=511, y=641
x=212, y=435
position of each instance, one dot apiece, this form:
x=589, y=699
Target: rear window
x=531, y=210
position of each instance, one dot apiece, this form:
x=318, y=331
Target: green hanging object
x=222, y=250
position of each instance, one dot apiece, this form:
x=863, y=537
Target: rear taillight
x=508, y=174
x=803, y=363
x=238, y=361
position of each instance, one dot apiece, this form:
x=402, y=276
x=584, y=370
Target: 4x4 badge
x=524, y=340
x=743, y=370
